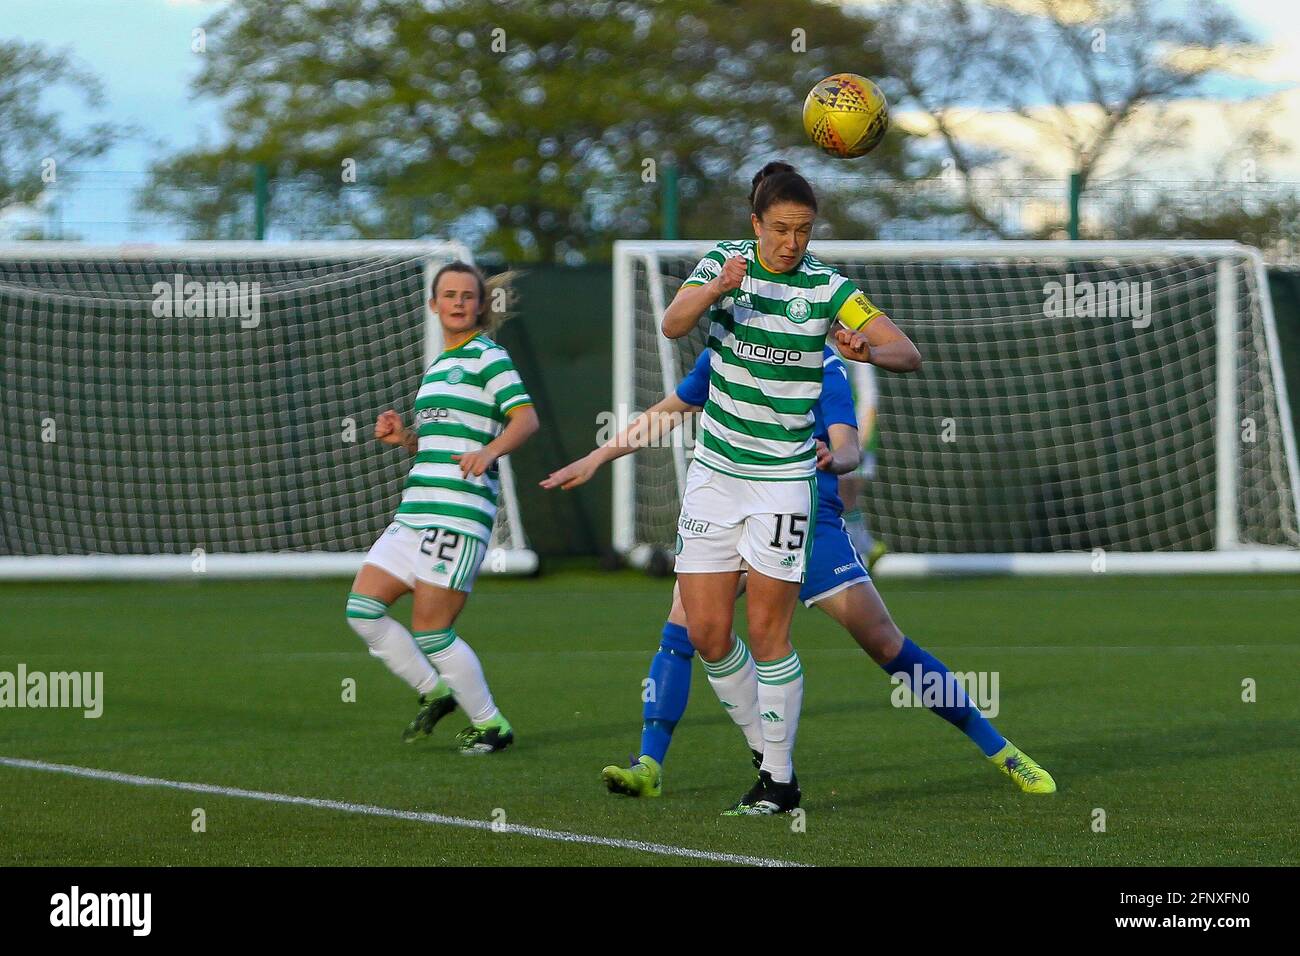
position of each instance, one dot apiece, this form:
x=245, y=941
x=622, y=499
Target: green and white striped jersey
x=461, y=406
x=766, y=371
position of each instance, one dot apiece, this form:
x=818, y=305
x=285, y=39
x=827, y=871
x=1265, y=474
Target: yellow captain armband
x=857, y=311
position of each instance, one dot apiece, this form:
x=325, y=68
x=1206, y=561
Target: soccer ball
x=846, y=115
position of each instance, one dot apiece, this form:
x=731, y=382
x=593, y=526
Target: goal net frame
x=635, y=258
x=509, y=552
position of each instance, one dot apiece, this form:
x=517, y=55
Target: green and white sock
x=460, y=668
x=390, y=642
x=733, y=680
x=780, y=698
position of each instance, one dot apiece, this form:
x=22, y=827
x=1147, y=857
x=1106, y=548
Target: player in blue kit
x=836, y=581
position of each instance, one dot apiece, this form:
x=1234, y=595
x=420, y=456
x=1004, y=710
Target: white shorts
x=445, y=559
x=736, y=524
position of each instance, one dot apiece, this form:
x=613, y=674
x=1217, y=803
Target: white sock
x=734, y=681
x=780, y=698
x=390, y=642
x=460, y=668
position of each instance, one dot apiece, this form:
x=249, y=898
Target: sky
x=1265, y=91
x=141, y=50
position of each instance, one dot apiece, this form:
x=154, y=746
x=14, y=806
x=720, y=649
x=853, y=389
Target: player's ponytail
x=779, y=182
x=502, y=297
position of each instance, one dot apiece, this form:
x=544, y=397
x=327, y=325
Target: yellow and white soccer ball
x=846, y=115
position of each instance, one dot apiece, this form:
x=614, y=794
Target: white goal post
x=206, y=407
x=1083, y=406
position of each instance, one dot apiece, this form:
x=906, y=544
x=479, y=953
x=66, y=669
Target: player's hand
x=853, y=345
x=733, y=273
x=474, y=462
x=824, y=457
x=389, y=428
x=571, y=475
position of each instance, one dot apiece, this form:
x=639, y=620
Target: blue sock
x=964, y=716
x=670, y=685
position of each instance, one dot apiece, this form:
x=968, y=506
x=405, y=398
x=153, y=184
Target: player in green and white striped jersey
x=750, y=491
x=470, y=410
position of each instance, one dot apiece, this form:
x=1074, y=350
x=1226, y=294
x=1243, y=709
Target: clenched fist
x=733, y=273
x=389, y=428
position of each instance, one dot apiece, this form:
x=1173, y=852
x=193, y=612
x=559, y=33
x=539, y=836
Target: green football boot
x=1023, y=769
x=433, y=707
x=644, y=778
x=493, y=737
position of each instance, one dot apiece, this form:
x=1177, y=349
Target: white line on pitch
x=541, y=833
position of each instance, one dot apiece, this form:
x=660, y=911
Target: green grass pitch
x=1128, y=689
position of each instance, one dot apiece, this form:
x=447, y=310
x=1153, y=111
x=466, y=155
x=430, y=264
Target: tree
x=36, y=148
x=543, y=127
x=1258, y=214
x=1082, y=76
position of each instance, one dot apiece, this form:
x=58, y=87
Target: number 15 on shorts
x=790, y=532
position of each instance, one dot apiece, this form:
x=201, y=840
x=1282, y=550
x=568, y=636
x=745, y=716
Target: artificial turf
x=1128, y=689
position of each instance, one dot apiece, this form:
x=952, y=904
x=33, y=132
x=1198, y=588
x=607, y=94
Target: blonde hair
x=501, y=299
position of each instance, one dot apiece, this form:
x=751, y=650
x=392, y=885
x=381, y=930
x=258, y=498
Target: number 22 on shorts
x=446, y=549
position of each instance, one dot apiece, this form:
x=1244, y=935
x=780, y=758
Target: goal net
x=1083, y=406
x=208, y=407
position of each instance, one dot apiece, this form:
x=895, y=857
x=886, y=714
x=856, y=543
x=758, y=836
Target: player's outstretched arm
x=691, y=300
x=659, y=419
x=521, y=425
x=844, y=453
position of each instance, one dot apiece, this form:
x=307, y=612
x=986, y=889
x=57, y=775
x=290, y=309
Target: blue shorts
x=835, y=564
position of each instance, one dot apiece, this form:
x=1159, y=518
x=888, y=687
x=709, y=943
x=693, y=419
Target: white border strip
x=438, y=819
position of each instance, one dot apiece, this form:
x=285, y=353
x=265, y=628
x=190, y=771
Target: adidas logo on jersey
x=789, y=561
x=440, y=567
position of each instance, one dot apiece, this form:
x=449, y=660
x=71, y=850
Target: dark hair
x=778, y=182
